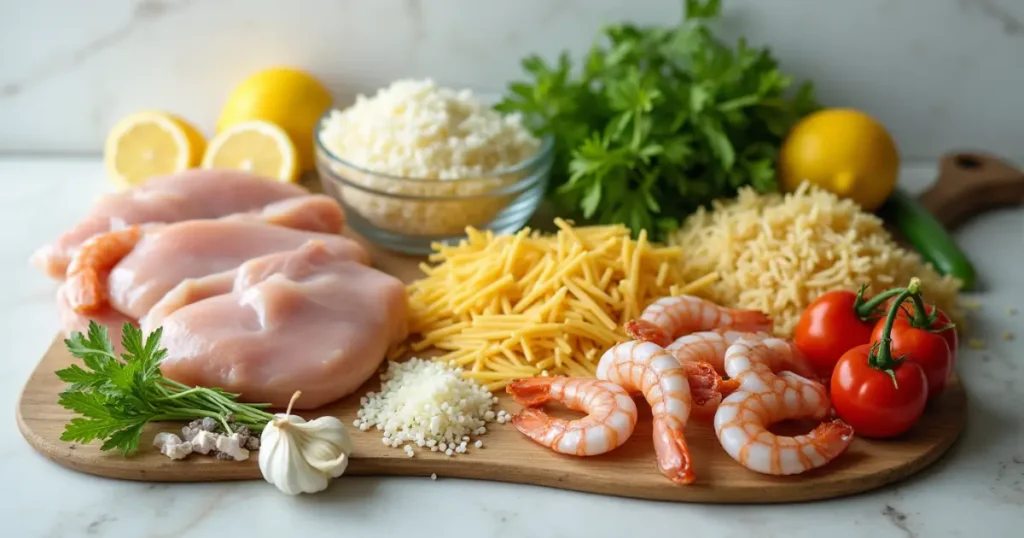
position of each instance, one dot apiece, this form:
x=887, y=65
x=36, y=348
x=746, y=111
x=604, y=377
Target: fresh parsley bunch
x=659, y=121
x=116, y=396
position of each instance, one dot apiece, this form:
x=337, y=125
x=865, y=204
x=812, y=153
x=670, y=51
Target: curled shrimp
x=669, y=318
x=86, y=274
x=647, y=368
x=611, y=414
x=709, y=347
x=765, y=397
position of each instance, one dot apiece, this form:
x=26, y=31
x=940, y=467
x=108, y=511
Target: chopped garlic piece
x=232, y=446
x=204, y=441
x=172, y=446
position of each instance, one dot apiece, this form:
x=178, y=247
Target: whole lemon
x=844, y=151
x=289, y=98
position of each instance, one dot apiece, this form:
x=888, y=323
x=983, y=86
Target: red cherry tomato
x=867, y=399
x=926, y=348
x=829, y=327
x=940, y=322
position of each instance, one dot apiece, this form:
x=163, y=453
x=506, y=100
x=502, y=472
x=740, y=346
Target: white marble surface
x=942, y=74
x=978, y=490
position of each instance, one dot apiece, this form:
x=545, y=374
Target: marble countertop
x=977, y=490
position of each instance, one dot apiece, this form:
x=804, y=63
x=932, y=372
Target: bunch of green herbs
x=115, y=395
x=659, y=121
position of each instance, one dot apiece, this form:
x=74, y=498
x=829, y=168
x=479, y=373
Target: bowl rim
x=547, y=145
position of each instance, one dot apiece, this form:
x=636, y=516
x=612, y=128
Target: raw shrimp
x=87, y=272
x=765, y=397
x=669, y=318
x=611, y=414
x=647, y=368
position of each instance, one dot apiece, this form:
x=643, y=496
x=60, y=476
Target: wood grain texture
x=972, y=183
x=628, y=471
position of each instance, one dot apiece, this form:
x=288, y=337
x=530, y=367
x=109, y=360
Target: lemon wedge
x=149, y=144
x=255, y=146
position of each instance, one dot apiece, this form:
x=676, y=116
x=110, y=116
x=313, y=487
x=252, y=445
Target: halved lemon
x=255, y=146
x=290, y=98
x=148, y=144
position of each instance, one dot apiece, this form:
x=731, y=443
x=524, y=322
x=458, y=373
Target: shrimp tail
x=530, y=392
x=831, y=438
x=645, y=331
x=90, y=265
x=539, y=426
x=674, y=459
x=704, y=381
x=85, y=291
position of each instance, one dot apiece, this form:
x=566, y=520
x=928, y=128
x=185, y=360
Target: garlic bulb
x=301, y=457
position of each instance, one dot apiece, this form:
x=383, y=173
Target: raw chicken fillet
x=194, y=194
x=167, y=256
x=254, y=286
x=310, y=319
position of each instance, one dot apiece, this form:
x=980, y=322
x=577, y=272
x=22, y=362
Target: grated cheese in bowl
x=421, y=160
x=428, y=404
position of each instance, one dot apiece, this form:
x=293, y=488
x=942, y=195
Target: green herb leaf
x=659, y=121
x=591, y=199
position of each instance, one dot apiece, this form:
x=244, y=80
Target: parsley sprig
x=659, y=121
x=115, y=395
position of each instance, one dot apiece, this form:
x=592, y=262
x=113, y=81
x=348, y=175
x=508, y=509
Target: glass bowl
x=409, y=214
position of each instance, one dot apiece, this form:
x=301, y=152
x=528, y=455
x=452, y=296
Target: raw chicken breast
x=313, y=213
x=88, y=273
x=166, y=256
x=193, y=194
x=309, y=319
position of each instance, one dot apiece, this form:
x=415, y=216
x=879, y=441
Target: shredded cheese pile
x=449, y=144
x=779, y=253
x=513, y=306
x=417, y=129
x=427, y=404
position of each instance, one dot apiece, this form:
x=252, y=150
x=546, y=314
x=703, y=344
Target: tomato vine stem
x=880, y=356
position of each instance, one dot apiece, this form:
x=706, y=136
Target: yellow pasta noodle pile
x=511, y=306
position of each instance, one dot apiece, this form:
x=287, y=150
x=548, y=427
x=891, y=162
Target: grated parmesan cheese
x=427, y=404
x=446, y=142
x=416, y=129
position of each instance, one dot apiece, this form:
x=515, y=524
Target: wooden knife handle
x=971, y=183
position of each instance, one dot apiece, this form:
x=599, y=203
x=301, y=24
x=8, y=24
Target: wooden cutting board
x=507, y=456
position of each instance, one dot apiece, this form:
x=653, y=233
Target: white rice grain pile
x=778, y=253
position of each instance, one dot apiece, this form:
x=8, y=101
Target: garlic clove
x=300, y=457
x=326, y=445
